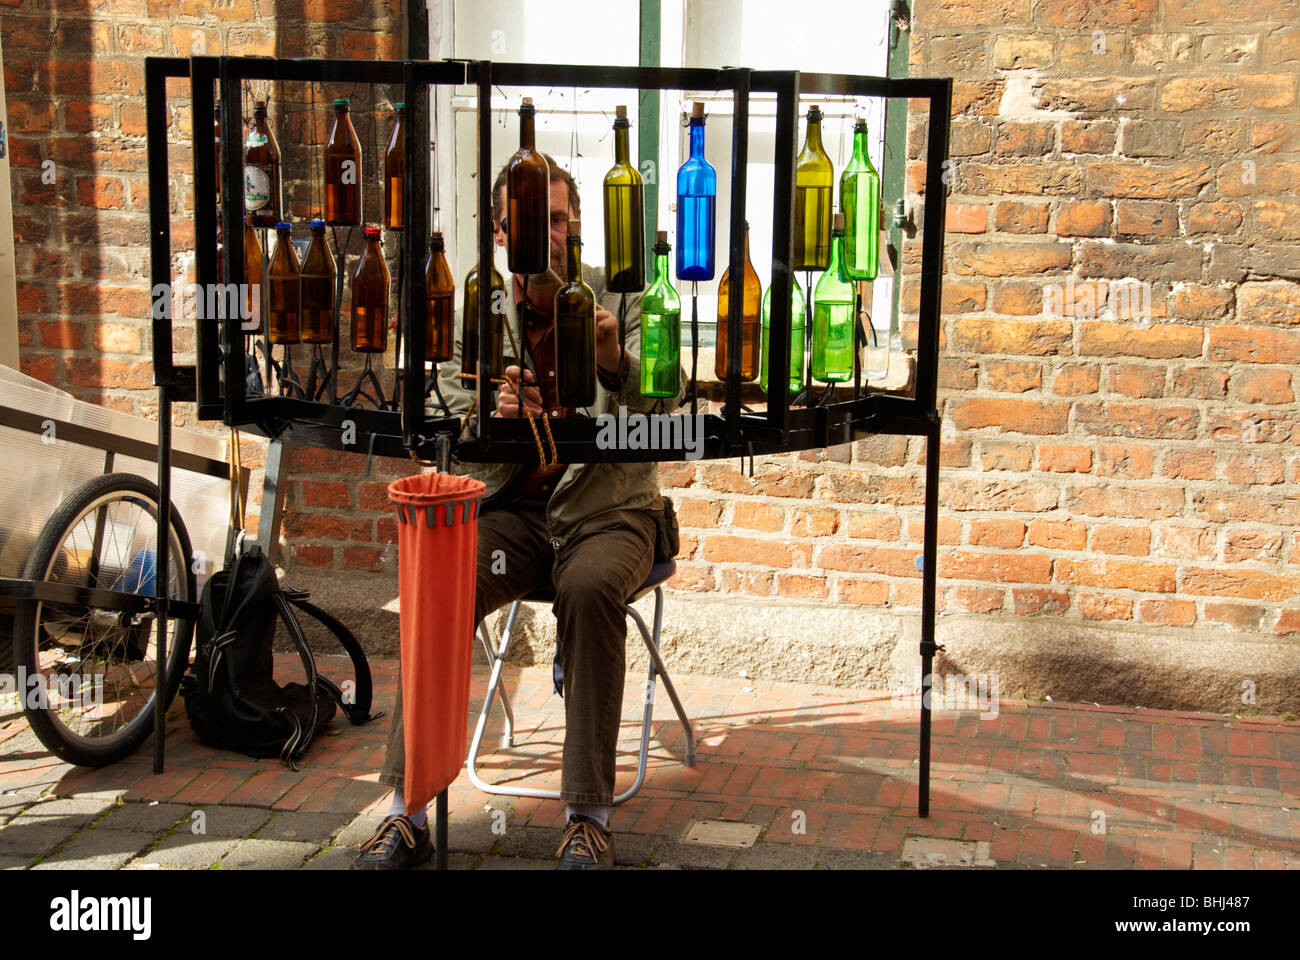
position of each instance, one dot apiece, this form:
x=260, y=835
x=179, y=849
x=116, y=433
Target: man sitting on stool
x=589, y=528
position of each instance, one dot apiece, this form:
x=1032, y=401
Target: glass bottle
x=440, y=303
x=661, y=329
x=261, y=171
x=469, y=342
x=528, y=202
x=624, y=216
x=796, y=336
x=395, y=173
x=814, y=179
x=342, y=170
x=833, y=306
x=252, y=320
x=318, y=279
x=751, y=296
x=370, y=298
x=216, y=145
x=697, y=194
x=284, y=300
x=860, y=201
x=575, y=331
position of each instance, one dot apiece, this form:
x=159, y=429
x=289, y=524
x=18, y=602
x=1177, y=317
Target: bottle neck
x=837, y=246
x=661, y=263
x=526, y=133
x=860, y=155
x=697, y=140
x=574, y=257
x=815, y=134
x=620, y=144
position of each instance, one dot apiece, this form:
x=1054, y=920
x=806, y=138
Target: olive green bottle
x=814, y=181
x=624, y=216
x=575, y=331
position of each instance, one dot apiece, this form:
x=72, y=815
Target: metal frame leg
x=656, y=669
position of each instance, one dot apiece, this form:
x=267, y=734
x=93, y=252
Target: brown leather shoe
x=586, y=846
x=398, y=844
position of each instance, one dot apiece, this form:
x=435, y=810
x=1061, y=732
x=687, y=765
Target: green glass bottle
x=661, y=329
x=860, y=201
x=469, y=341
x=814, y=182
x=832, y=332
x=575, y=331
x=624, y=216
x=796, y=336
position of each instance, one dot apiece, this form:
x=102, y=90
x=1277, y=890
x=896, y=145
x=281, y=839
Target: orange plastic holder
x=437, y=544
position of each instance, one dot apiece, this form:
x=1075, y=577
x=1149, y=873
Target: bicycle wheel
x=89, y=674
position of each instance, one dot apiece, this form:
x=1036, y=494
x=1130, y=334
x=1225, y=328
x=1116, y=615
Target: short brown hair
x=557, y=173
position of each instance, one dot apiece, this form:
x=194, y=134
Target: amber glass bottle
x=496, y=317
x=395, y=172
x=284, y=300
x=370, y=298
x=750, y=335
x=528, y=202
x=252, y=322
x=440, y=301
x=342, y=170
x=814, y=181
x=575, y=331
x=624, y=216
x=261, y=171
x=318, y=288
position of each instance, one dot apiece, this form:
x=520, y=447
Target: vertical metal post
x=782, y=307
x=929, y=578
x=440, y=830
x=735, y=303
x=415, y=195
x=648, y=123
x=484, y=380
x=232, y=212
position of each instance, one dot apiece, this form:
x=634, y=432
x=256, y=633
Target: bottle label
x=255, y=139
x=257, y=187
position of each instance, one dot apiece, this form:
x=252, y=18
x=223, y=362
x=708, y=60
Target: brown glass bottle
x=750, y=303
x=342, y=171
x=317, y=321
x=528, y=202
x=370, y=298
x=496, y=317
x=284, y=296
x=439, y=304
x=395, y=173
x=252, y=322
x=262, y=171
x=575, y=331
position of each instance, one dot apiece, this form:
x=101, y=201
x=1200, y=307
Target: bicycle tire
x=56, y=546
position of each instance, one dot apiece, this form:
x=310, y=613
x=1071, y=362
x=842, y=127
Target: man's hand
x=608, y=355
x=508, y=400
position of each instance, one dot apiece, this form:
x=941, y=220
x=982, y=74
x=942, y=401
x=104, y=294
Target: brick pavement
x=828, y=775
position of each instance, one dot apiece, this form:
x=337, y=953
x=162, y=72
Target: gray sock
x=592, y=811
x=398, y=808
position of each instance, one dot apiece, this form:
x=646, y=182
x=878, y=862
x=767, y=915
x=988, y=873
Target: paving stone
x=857, y=860
x=237, y=822
x=631, y=849
x=694, y=855
x=775, y=856
x=101, y=849
x=295, y=825
x=73, y=812
x=32, y=840
x=334, y=858
x=536, y=842
x=146, y=817
x=455, y=861
x=472, y=837
x=358, y=831
x=13, y=804
x=15, y=863
x=268, y=855
x=185, y=851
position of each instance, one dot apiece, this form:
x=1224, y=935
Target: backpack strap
x=296, y=745
x=359, y=710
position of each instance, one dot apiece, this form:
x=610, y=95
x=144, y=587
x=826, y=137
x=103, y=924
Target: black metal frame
x=781, y=428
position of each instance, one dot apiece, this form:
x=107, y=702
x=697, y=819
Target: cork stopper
x=697, y=108
x=620, y=112
x=814, y=112
x=661, y=236
x=575, y=228
x=837, y=221
x=528, y=102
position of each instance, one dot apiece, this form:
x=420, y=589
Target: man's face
x=561, y=212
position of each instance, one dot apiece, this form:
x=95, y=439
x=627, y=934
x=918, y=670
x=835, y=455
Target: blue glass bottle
x=697, y=195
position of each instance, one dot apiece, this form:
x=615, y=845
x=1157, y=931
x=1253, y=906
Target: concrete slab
x=314, y=827
x=775, y=856
x=857, y=860
x=146, y=817
x=359, y=830
x=32, y=840
x=237, y=822
x=538, y=843
x=15, y=863
x=185, y=851
x=268, y=855
x=332, y=858
x=693, y=855
x=514, y=863
x=73, y=812
x=101, y=849
x=923, y=852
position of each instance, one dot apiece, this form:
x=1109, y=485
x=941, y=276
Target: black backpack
x=231, y=696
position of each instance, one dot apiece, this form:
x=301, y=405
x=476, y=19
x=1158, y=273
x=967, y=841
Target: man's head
x=565, y=206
